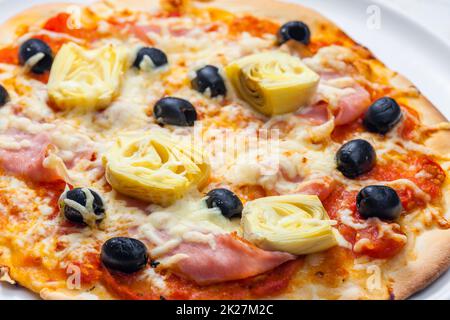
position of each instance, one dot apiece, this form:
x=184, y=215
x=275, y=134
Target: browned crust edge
x=433, y=246
x=33, y=15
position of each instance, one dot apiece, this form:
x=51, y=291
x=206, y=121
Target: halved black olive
x=294, y=30
x=4, y=96
x=209, y=77
x=355, y=158
x=31, y=48
x=157, y=57
x=382, y=115
x=380, y=202
x=175, y=111
x=123, y=254
x=80, y=197
x=228, y=203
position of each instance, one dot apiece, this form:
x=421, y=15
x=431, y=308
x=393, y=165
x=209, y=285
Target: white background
x=413, y=38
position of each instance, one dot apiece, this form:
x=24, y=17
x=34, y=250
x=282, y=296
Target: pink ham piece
x=86, y=153
x=176, y=31
x=321, y=188
x=316, y=114
x=231, y=259
x=352, y=106
x=141, y=32
x=28, y=161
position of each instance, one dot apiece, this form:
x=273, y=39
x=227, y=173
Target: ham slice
x=352, y=106
x=316, y=114
x=321, y=188
x=231, y=259
x=28, y=161
x=141, y=31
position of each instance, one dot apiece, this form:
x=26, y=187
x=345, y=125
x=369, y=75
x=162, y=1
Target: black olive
x=79, y=195
x=355, y=158
x=209, y=77
x=379, y=202
x=175, y=111
x=228, y=203
x=4, y=96
x=294, y=30
x=157, y=57
x=382, y=115
x=32, y=47
x=123, y=254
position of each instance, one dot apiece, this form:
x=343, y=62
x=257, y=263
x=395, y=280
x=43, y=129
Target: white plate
x=401, y=43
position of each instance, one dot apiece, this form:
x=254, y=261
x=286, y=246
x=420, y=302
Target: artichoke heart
x=155, y=167
x=297, y=224
x=86, y=79
x=273, y=83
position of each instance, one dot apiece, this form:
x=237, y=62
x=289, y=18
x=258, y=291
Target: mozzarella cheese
x=187, y=220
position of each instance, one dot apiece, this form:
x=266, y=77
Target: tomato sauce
x=256, y=27
x=61, y=24
x=90, y=268
x=344, y=133
x=430, y=181
x=421, y=169
x=407, y=128
x=268, y=284
x=379, y=247
x=410, y=123
x=51, y=190
x=250, y=192
x=9, y=55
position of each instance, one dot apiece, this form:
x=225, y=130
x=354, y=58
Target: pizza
x=213, y=150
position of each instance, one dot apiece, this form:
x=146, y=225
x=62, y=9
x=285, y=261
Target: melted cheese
x=331, y=58
x=347, y=219
x=409, y=184
x=188, y=220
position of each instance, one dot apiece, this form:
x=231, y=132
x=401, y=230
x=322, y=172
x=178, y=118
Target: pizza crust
x=37, y=14
x=432, y=247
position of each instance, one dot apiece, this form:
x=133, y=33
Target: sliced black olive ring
x=209, y=77
x=82, y=205
x=123, y=254
x=31, y=49
x=382, y=115
x=355, y=158
x=4, y=96
x=380, y=202
x=175, y=111
x=157, y=57
x=294, y=30
x=229, y=204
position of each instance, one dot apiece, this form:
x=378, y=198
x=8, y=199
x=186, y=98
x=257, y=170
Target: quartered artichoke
x=86, y=79
x=273, y=83
x=155, y=167
x=297, y=224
